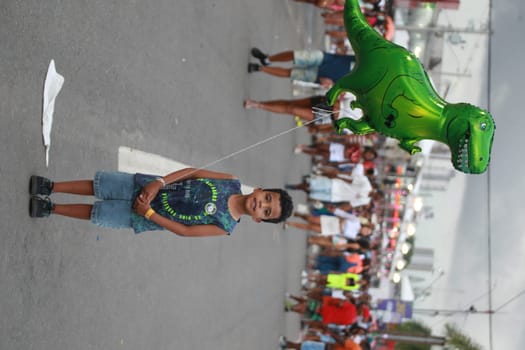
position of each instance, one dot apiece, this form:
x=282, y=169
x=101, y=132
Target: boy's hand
x=150, y=191
x=140, y=206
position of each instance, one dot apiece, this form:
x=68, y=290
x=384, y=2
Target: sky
x=476, y=206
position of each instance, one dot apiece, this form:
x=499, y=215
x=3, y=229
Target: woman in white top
x=340, y=230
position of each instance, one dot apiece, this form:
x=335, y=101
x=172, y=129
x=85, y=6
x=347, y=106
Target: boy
x=188, y=202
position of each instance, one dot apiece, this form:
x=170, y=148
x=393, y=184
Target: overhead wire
x=509, y=301
x=468, y=61
x=489, y=191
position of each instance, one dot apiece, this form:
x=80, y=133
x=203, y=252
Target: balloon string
x=233, y=154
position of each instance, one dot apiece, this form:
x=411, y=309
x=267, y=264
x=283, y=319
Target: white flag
x=52, y=86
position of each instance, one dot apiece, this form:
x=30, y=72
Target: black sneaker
x=40, y=207
x=40, y=185
x=260, y=56
x=253, y=67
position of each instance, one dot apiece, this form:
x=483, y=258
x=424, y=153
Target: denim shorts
x=320, y=188
x=306, y=65
x=312, y=345
x=116, y=191
x=326, y=339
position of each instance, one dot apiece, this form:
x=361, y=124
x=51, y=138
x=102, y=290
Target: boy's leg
x=111, y=213
x=82, y=187
x=39, y=185
x=77, y=211
x=276, y=71
x=43, y=207
x=284, y=56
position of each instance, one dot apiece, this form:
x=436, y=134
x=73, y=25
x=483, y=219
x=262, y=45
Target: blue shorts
x=306, y=65
x=320, y=188
x=116, y=190
x=326, y=339
x=312, y=345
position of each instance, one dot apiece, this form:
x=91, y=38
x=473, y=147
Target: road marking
x=132, y=160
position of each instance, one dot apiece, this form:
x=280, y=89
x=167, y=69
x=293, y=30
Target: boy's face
x=263, y=205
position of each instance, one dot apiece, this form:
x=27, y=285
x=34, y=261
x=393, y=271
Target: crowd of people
x=342, y=191
x=340, y=222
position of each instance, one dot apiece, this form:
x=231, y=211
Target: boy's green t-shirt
x=190, y=202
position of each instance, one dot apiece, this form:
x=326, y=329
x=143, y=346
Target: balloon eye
x=483, y=126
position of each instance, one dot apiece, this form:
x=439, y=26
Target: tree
x=416, y=328
x=417, y=335
x=456, y=340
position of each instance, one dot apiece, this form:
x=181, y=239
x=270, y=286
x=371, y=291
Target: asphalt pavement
x=167, y=78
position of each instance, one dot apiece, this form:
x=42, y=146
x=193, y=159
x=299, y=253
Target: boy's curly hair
x=286, y=205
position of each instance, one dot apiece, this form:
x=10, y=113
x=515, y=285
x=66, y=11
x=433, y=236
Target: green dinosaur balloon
x=397, y=100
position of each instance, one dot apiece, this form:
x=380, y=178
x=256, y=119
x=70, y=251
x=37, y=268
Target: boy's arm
x=150, y=191
x=187, y=231
x=141, y=207
x=193, y=173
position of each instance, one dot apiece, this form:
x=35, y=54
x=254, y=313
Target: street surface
x=165, y=78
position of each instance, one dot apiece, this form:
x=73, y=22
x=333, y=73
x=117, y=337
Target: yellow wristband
x=149, y=213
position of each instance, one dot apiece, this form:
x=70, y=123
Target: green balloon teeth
x=462, y=161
